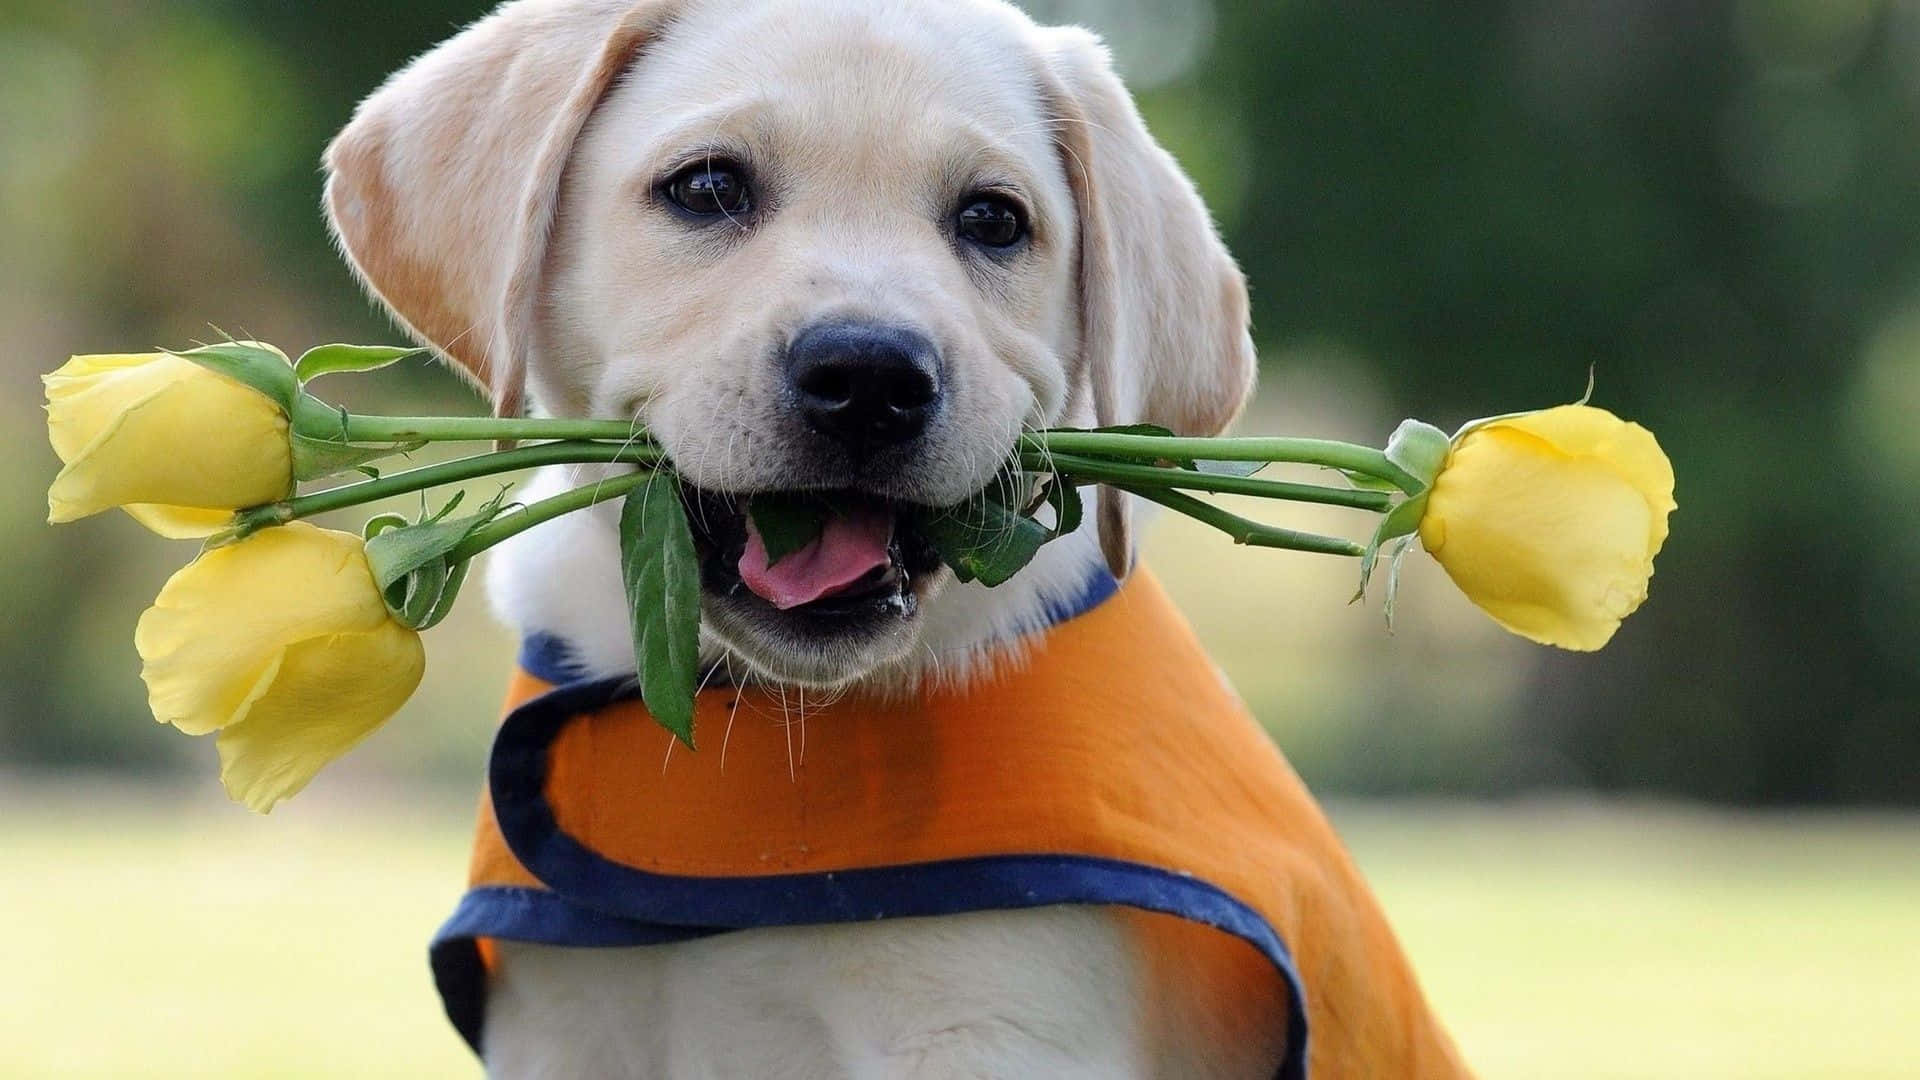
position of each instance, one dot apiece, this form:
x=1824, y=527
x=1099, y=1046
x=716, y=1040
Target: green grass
x=1600, y=942
x=149, y=933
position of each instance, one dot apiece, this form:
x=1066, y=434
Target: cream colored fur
x=497, y=196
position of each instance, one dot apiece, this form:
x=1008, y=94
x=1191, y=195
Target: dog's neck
x=562, y=579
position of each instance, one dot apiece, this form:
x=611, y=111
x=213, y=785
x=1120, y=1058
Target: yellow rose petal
x=1628, y=448
x=221, y=625
x=179, y=522
x=1550, y=521
x=162, y=432
x=327, y=695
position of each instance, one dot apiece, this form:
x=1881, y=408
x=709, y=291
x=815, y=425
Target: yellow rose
x=283, y=645
x=178, y=446
x=1549, y=521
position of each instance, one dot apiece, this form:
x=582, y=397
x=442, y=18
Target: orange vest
x=1113, y=766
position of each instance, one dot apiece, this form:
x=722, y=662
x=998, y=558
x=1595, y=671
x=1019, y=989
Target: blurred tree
x=1712, y=204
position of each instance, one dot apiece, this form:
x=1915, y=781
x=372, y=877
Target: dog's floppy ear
x=443, y=188
x=1163, y=307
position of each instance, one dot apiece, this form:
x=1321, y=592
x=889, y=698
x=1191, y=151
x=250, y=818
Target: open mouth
x=861, y=564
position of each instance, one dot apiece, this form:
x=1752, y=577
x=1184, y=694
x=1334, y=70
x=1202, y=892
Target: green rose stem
x=452, y=472
x=513, y=523
x=1139, y=448
x=1048, y=459
x=410, y=429
x=1124, y=474
x=1251, y=533
x=1123, y=460
x=1151, y=448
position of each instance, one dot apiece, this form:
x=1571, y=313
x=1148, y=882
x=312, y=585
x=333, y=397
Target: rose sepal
x=1421, y=449
x=1400, y=522
x=252, y=363
x=350, y=359
x=414, y=563
x=321, y=447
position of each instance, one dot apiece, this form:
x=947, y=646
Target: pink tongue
x=851, y=546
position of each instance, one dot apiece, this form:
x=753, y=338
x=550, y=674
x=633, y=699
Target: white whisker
x=786, y=726
x=733, y=713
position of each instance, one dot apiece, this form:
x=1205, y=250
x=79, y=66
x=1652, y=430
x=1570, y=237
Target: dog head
x=826, y=246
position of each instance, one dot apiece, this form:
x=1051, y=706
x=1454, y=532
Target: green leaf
x=331, y=359
x=1068, y=509
x=984, y=539
x=663, y=594
x=787, y=523
x=252, y=363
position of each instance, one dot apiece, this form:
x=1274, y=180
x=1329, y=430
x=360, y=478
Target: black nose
x=864, y=386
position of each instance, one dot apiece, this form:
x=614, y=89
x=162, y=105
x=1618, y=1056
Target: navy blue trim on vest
x=1099, y=588
x=601, y=902
x=550, y=659
x=596, y=902
x=534, y=916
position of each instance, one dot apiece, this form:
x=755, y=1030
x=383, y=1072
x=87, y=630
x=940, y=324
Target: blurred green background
x=1445, y=211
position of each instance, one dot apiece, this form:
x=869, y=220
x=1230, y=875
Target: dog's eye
x=992, y=222
x=711, y=189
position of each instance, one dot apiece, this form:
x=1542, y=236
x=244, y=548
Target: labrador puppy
x=814, y=245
